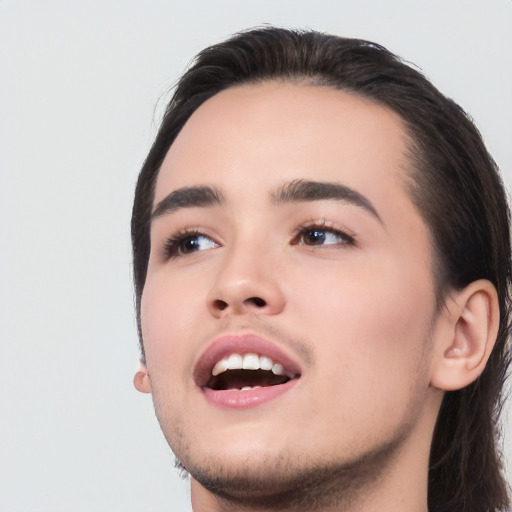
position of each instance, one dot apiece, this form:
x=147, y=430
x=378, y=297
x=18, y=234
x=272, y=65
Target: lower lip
x=234, y=399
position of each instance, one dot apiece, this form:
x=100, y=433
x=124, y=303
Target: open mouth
x=247, y=372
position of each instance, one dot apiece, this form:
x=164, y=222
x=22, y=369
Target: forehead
x=275, y=132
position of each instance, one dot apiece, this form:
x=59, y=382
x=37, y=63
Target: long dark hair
x=454, y=183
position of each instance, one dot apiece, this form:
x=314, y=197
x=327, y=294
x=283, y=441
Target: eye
x=183, y=243
x=320, y=235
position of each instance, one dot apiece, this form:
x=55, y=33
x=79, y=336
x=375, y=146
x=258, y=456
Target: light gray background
x=79, y=81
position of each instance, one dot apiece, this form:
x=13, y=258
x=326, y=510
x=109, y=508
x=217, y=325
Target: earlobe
x=473, y=327
x=142, y=380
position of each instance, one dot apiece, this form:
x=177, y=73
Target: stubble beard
x=286, y=484
x=291, y=480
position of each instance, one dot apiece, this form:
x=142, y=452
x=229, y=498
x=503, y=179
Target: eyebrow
x=303, y=190
x=294, y=191
x=188, y=197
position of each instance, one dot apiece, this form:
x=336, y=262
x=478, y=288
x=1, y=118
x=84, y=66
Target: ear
x=468, y=337
x=142, y=380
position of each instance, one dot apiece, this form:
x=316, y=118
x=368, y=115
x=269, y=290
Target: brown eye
x=183, y=244
x=314, y=236
x=195, y=243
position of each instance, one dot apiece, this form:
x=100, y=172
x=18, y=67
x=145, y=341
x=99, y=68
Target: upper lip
x=242, y=344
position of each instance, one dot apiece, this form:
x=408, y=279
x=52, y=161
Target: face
x=283, y=241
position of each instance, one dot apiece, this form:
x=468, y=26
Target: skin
x=357, y=312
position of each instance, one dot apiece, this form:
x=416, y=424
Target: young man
x=322, y=270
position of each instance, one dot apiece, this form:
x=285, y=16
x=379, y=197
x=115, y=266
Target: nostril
x=257, y=301
x=220, y=305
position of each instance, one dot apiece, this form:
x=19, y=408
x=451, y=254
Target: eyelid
x=171, y=243
x=324, y=225
x=171, y=250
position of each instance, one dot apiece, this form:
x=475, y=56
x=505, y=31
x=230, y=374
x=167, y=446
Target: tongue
x=237, y=379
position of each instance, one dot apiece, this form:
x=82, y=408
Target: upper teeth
x=247, y=362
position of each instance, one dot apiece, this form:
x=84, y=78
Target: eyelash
x=172, y=245
x=173, y=250
x=322, y=225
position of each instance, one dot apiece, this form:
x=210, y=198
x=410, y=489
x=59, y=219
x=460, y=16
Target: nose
x=246, y=283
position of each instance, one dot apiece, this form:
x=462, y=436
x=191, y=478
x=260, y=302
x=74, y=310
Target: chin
x=289, y=481
x=260, y=481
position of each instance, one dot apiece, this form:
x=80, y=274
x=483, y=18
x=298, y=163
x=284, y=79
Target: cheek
x=373, y=323
x=168, y=313
x=375, y=362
